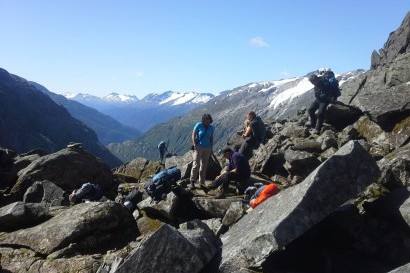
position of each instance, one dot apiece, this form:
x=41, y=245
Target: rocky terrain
x=344, y=203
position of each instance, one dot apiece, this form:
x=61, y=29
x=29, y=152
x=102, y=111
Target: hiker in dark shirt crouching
x=238, y=170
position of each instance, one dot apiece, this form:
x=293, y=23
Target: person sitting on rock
x=237, y=170
x=87, y=192
x=254, y=135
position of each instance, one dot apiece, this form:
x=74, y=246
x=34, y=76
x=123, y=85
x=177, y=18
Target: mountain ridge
x=155, y=107
x=278, y=99
x=107, y=128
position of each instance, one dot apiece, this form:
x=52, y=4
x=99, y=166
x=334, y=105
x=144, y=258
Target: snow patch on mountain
x=182, y=98
x=115, y=97
x=289, y=94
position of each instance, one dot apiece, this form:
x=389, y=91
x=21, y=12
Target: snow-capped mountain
x=155, y=108
x=270, y=99
x=99, y=103
x=176, y=98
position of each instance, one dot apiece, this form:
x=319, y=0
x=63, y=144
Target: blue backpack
x=162, y=183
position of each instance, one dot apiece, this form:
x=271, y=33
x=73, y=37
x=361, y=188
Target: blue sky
x=140, y=47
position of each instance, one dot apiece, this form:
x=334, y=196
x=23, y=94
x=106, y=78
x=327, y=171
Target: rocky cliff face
x=383, y=92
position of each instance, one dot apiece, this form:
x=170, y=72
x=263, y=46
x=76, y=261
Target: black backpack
x=331, y=81
x=162, y=183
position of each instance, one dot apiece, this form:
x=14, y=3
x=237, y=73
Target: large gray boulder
x=83, y=227
x=46, y=192
x=402, y=269
x=172, y=250
x=23, y=260
x=287, y=215
x=395, y=168
x=20, y=215
x=68, y=168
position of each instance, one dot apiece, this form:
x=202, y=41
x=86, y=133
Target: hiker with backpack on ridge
x=202, y=143
x=162, y=148
x=254, y=135
x=326, y=88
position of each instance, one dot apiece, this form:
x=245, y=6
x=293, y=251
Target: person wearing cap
x=237, y=170
x=324, y=94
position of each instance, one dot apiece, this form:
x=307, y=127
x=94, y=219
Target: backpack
x=161, y=145
x=132, y=199
x=162, y=183
x=263, y=193
x=330, y=80
x=87, y=191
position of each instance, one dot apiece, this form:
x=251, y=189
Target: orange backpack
x=263, y=193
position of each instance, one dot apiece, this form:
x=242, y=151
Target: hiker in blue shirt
x=238, y=170
x=202, y=142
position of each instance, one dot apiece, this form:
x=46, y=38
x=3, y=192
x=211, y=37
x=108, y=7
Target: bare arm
x=193, y=137
x=247, y=132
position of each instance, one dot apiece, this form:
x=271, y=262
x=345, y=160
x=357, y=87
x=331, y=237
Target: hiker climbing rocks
x=326, y=89
x=202, y=142
x=87, y=192
x=238, y=170
x=254, y=135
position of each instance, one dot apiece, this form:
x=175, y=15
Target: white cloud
x=258, y=41
x=137, y=74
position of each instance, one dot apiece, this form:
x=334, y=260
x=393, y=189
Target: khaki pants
x=200, y=163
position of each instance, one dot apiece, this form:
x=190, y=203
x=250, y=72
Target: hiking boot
x=202, y=187
x=245, y=201
x=192, y=184
x=214, y=184
x=239, y=192
x=310, y=125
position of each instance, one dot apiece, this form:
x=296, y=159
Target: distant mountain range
x=145, y=113
x=271, y=100
x=107, y=128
